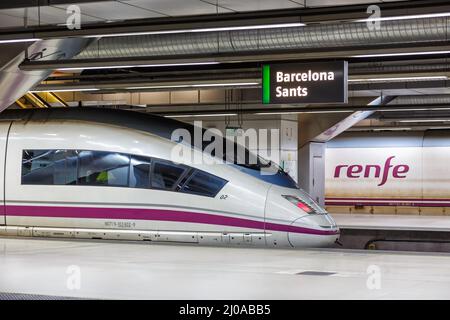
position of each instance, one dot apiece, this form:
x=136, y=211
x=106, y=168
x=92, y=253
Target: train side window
x=48, y=167
x=165, y=174
x=140, y=168
x=203, y=184
x=99, y=168
x=65, y=170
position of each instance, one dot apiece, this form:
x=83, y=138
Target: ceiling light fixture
x=140, y=66
x=406, y=109
x=331, y=111
x=202, y=115
x=19, y=40
x=434, y=109
x=406, y=17
x=225, y=84
x=187, y=86
x=277, y=113
x=399, y=54
x=400, y=79
x=438, y=128
x=195, y=85
x=297, y=112
x=421, y=120
x=391, y=129
x=64, y=90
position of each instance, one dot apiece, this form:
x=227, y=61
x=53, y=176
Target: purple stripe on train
x=387, y=204
x=155, y=214
x=389, y=199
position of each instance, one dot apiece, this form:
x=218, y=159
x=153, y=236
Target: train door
x=4, y=128
x=318, y=181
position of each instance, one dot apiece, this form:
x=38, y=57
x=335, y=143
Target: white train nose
x=313, y=231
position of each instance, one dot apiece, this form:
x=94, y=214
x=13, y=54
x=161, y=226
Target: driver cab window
x=165, y=175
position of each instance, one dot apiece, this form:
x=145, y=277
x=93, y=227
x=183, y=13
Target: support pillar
x=311, y=174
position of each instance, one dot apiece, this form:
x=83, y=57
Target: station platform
x=394, y=232
x=124, y=270
x=393, y=222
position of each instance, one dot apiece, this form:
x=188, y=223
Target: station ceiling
x=410, y=54
x=14, y=13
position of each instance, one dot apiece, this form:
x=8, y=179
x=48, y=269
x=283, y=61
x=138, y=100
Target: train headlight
x=299, y=203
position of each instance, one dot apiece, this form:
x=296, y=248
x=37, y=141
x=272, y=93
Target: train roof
x=153, y=124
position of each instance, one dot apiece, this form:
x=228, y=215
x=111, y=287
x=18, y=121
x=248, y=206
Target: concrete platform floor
x=124, y=270
x=392, y=222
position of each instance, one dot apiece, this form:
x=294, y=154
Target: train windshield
x=255, y=165
x=246, y=161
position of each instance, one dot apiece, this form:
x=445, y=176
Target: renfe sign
x=357, y=171
x=320, y=82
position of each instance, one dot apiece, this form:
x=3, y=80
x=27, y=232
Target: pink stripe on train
x=407, y=202
x=155, y=214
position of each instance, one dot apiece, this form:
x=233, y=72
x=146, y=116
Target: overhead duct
x=315, y=36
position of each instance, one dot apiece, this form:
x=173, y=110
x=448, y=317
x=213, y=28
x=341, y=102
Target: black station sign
x=319, y=82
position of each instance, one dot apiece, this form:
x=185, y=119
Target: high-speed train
x=108, y=174
x=397, y=172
